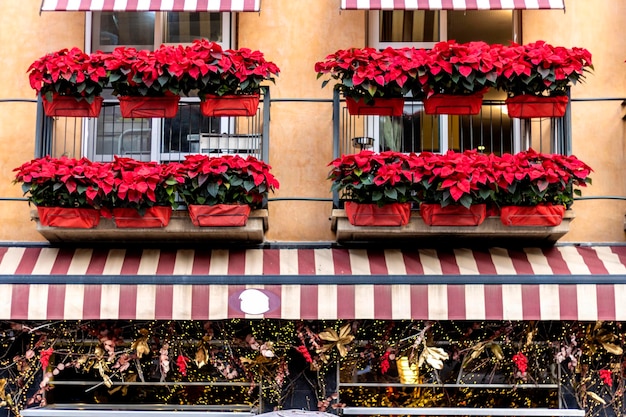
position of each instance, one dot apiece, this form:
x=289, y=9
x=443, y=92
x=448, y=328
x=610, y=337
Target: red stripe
x=128, y=302
x=201, y=262
x=419, y=302
x=345, y=301
x=200, y=302
x=494, y=307
x=306, y=262
x=164, y=303
x=236, y=262
x=19, y=301
x=620, y=251
x=382, y=302
x=131, y=5
x=271, y=262
x=167, y=260
x=308, y=302
x=568, y=302
x=531, y=305
x=130, y=265
x=556, y=262
x=412, y=263
x=520, y=262
x=378, y=264
x=97, y=262
x=605, y=296
x=233, y=291
x=91, y=302
x=62, y=262
x=276, y=290
x=448, y=262
x=341, y=262
x=56, y=299
x=590, y=256
x=484, y=262
x=27, y=263
x=3, y=251
x=456, y=302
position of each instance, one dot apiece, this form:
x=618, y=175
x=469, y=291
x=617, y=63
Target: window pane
x=184, y=27
x=409, y=26
x=123, y=28
x=491, y=26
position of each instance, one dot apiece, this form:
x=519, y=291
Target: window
x=492, y=129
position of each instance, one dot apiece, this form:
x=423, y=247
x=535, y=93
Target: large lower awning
x=152, y=5
x=559, y=283
x=452, y=4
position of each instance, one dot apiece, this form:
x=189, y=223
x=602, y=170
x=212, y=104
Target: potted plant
x=373, y=82
x=141, y=194
x=220, y=191
x=147, y=83
x=70, y=82
x=454, y=188
x=228, y=82
x=534, y=189
x=456, y=76
x=377, y=186
x=65, y=190
x=536, y=77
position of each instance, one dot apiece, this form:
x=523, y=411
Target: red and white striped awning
x=152, y=5
x=560, y=283
x=451, y=4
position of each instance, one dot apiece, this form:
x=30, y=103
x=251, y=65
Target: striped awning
x=152, y=5
x=452, y=4
x=559, y=283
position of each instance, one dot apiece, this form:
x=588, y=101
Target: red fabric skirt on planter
x=219, y=215
x=65, y=106
x=395, y=214
x=76, y=218
x=539, y=215
x=157, y=216
x=453, y=215
x=527, y=106
x=149, y=107
x=230, y=105
x=377, y=107
x=454, y=104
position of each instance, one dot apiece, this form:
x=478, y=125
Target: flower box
x=149, y=107
x=548, y=215
x=67, y=106
x=527, y=106
x=394, y=214
x=230, y=105
x=77, y=218
x=453, y=215
x=219, y=215
x=376, y=107
x=454, y=104
x=157, y=216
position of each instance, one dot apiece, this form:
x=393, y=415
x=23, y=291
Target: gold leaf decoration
x=340, y=340
x=612, y=348
x=595, y=397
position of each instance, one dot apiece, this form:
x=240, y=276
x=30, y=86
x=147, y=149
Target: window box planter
x=230, y=105
x=157, y=216
x=378, y=107
x=66, y=106
x=149, y=107
x=453, y=215
x=395, y=214
x=528, y=106
x=78, y=218
x=219, y=215
x=539, y=215
x=453, y=104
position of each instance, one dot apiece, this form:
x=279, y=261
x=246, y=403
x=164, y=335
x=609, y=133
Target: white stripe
x=410, y=4
x=6, y=295
x=38, y=302
x=183, y=265
x=538, y=261
x=121, y=5
x=167, y=4
x=531, y=4
x=254, y=262
x=359, y=262
x=502, y=261
x=80, y=262
x=236, y=5
x=587, y=301
x=459, y=5
x=73, y=5
x=45, y=261
x=323, y=262
x=214, y=4
x=290, y=302
x=110, y=302
x=620, y=305
x=327, y=302
x=573, y=259
x=218, y=302
x=435, y=5
x=149, y=262
x=438, y=302
x=96, y=4
x=483, y=4
x=288, y=261
x=507, y=4
x=146, y=302
x=181, y=302
x=401, y=302
x=364, y=301
x=219, y=262
x=430, y=262
x=512, y=308
x=395, y=262
x=549, y=302
x=11, y=260
x=114, y=262
x=557, y=4
x=190, y=5
x=610, y=260
x=466, y=262
x=475, y=302
x=73, y=304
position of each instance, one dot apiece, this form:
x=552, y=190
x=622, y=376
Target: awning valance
x=452, y=4
x=560, y=283
x=152, y=5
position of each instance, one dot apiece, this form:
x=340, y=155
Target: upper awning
x=560, y=283
x=152, y=5
x=452, y=4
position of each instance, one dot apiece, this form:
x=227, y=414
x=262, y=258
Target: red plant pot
x=158, y=216
x=540, y=215
x=395, y=214
x=149, y=107
x=453, y=215
x=527, y=106
x=77, y=218
x=230, y=105
x=219, y=215
x=377, y=107
x=454, y=104
x=64, y=106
